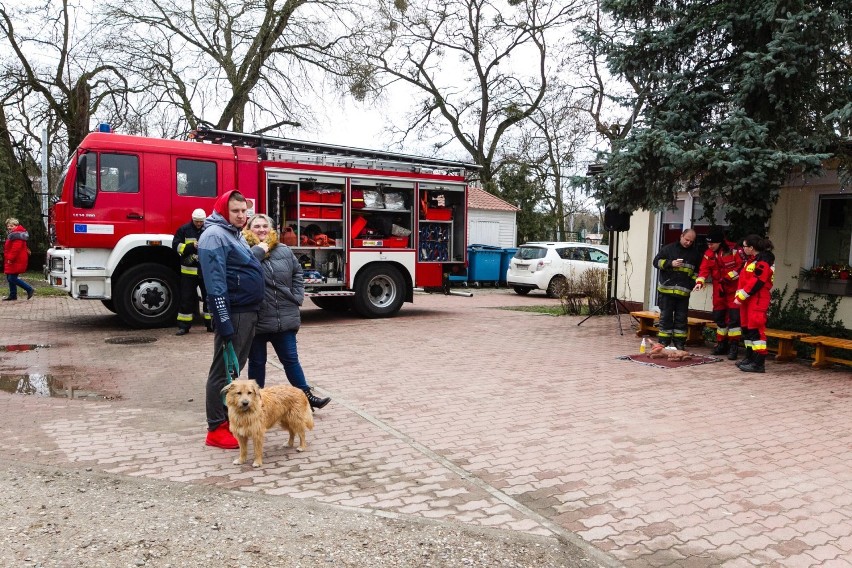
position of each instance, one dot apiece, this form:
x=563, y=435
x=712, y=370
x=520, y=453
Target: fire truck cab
x=367, y=226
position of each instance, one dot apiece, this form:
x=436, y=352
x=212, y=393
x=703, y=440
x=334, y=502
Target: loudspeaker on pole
x=616, y=220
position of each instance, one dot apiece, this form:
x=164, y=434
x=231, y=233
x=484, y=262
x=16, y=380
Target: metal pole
x=45, y=190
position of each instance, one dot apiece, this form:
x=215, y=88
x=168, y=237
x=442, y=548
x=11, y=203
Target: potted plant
x=829, y=278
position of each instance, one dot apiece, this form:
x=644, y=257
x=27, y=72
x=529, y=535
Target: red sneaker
x=221, y=437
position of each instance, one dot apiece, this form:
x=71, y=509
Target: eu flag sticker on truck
x=93, y=229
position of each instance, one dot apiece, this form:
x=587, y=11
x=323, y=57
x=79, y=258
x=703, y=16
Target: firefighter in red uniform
x=185, y=244
x=753, y=299
x=723, y=262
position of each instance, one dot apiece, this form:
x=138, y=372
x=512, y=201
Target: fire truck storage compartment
x=311, y=207
x=382, y=212
x=442, y=222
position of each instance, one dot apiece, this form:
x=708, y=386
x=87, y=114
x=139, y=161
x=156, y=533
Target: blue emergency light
x=104, y=127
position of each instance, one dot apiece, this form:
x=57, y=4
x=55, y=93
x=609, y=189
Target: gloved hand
x=189, y=248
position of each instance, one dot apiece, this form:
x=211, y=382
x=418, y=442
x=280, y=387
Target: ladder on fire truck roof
x=301, y=151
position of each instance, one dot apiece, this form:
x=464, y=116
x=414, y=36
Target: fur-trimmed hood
x=271, y=239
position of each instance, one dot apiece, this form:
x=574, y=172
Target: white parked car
x=547, y=265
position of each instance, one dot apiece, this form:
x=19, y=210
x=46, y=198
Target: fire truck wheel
x=108, y=304
x=333, y=304
x=379, y=292
x=146, y=296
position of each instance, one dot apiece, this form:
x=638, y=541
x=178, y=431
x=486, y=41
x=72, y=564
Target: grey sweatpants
x=244, y=324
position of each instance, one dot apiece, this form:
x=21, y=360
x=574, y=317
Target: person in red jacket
x=723, y=261
x=16, y=257
x=753, y=298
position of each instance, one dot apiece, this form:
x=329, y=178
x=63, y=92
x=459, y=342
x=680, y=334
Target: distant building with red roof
x=491, y=220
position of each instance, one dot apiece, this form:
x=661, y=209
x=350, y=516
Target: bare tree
x=480, y=67
x=613, y=106
x=57, y=76
x=550, y=142
x=246, y=61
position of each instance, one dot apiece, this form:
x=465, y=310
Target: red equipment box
x=331, y=197
x=439, y=214
x=331, y=212
x=358, y=224
x=305, y=196
x=310, y=211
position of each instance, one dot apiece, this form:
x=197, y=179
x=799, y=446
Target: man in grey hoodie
x=234, y=283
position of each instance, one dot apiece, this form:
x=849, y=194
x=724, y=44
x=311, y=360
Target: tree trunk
x=17, y=198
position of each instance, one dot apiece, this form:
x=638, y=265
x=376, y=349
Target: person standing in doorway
x=16, y=258
x=678, y=263
x=185, y=244
x=723, y=261
x=280, y=317
x=234, y=282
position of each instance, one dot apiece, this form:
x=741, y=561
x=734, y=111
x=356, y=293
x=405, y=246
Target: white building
x=490, y=220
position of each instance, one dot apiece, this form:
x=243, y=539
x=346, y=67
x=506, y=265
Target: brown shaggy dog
x=253, y=410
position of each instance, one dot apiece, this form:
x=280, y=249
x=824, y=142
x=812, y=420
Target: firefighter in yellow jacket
x=185, y=244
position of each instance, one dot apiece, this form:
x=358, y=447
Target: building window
x=834, y=230
x=196, y=178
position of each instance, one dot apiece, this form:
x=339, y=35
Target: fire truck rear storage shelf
x=367, y=226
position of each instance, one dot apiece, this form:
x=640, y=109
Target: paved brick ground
x=458, y=411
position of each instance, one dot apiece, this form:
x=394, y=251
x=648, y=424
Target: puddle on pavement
x=23, y=347
x=47, y=385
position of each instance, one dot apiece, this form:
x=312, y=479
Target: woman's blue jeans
x=14, y=282
x=284, y=344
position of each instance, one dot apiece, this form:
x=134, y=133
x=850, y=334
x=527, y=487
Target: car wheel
x=556, y=286
x=521, y=291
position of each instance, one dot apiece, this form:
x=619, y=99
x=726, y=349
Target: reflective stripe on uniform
x=184, y=317
x=674, y=290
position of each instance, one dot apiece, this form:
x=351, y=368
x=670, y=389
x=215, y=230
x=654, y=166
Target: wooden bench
x=822, y=344
x=694, y=326
x=784, y=352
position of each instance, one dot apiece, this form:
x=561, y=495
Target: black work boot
x=315, y=401
x=680, y=344
x=749, y=357
x=755, y=366
x=665, y=341
x=182, y=331
x=721, y=348
x=734, y=351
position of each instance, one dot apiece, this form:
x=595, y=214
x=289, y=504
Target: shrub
x=585, y=293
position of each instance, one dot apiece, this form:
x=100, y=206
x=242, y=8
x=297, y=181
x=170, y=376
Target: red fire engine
x=367, y=226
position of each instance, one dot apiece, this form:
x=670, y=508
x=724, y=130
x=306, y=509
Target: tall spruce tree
x=739, y=96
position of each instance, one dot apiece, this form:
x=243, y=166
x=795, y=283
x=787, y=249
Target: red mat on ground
x=666, y=364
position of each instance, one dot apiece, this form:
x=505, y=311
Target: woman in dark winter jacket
x=280, y=317
x=16, y=256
